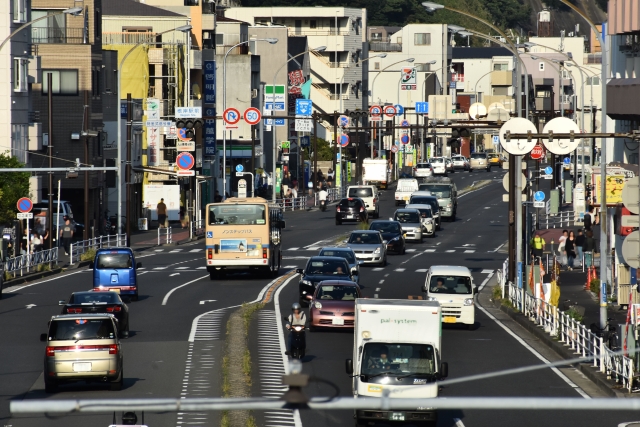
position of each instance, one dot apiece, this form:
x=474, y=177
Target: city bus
x=243, y=234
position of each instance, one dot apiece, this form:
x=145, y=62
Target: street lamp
x=182, y=29
x=273, y=125
x=224, y=105
x=74, y=11
x=381, y=55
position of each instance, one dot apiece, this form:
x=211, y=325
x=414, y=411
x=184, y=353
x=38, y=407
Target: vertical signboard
x=153, y=146
x=209, y=93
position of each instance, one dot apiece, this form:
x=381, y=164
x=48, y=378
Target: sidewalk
x=146, y=239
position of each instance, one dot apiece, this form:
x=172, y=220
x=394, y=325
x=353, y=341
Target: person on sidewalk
x=286, y=183
x=162, y=214
x=570, y=249
x=561, y=244
x=588, y=248
x=66, y=233
x=579, y=246
x=537, y=246
x=588, y=219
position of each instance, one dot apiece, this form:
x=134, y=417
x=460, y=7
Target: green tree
x=13, y=186
x=325, y=150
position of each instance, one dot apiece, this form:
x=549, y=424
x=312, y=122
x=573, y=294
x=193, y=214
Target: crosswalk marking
x=181, y=268
x=430, y=250
x=290, y=266
x=159, y=268
x=175, y=250
x=400, y=269
x=421, y=270
x=486, y=271
x=411, y=250
x=196, y=250
x=292, y=249
x=378, y=269
x=469, y=251
x=450, y=250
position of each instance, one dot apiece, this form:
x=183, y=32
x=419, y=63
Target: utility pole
x=50, y=143
x=127, y=217
x=85, y=128
x=315, y=152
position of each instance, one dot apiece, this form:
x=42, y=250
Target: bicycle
x=609, y=334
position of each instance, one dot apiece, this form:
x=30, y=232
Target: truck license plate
x=449, y=319
x=396, y=416
x=406, y=197
x=82, y=367
x=337, y=321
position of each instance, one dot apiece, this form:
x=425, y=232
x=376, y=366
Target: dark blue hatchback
x=114, y=269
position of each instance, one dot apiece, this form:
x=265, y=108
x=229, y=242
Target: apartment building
x=70, y=50
x=338, y=81
x=623, y=90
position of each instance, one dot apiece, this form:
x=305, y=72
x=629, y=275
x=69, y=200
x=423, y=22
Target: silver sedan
x=411, y=222
x=368, y=246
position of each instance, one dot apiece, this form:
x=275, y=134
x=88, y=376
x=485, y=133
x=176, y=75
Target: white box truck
x=397, y=348
x=374, y=172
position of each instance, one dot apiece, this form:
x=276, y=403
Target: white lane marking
x=182, y=268
x=30, y=306
x=312, y=248
x=450, y=250
x=484, y=282
x=381, y=281
x=207, y=300
x=399, y=269
x=536, y=354
x=201, y=268
x=157, y=250
x=159, y=268
x=487, y=207
x=429, y=250
x=175, y=250
x=174, y=274
x=378, y=289
x=498, y=248
x=411, y=250
x=469, y=251
x=144, y=256
x=377, y=269
x=486, y=271
x=166, y=297
x=196, y=250
x=44, y=281
x=290, y=266
x=295, y=257
x=292, y=249
x=421, y=270
x=458, y=422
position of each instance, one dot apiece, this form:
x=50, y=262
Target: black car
x=351, y=209
x=99, y=302
x=321, y=268
x=391, y=232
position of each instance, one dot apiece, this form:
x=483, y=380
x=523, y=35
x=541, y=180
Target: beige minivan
x=479, y=161
x=82, y=347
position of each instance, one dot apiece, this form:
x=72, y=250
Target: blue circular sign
x=185, y=161
x=343, y=121
x=538, y=196
x=24, y=205
x=399, y=109
x=566, y=160
x=548, y=170
x=344, y=140
x=404, y=123
x=239, y=168
x=404, y=139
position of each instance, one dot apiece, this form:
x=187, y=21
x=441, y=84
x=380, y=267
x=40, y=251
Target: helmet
x=295, y=306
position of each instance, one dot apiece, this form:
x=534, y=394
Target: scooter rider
x=296, y=318
x=322, y=196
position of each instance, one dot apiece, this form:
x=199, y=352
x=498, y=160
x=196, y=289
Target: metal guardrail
x=559, y=220
x=571, y=333
x=309, y=201
x=196, y=228
x=164, y=233
x=24, y=263
x=78, y=248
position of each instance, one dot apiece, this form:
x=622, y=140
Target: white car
x=452, y=286
x=426, y=216
x=423, y=170
x=460, y=162
x=410, y=221
x=439, y=165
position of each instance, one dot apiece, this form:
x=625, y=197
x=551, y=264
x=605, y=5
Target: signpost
x=539, y=196
x=185, y=161
x=188, y=112
x=274, y=98
x=24, y=204
x=404, y=123
x=304, y=125
x=303, y=107
x=252, y=116
x=343, y=121
x=274, y=122
x=394, y=148
x=344, y=140
x=231, y=117
x=404, y=139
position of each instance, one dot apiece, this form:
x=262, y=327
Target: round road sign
x=239, y=168
x=630, y=249
x=394, y=148
x=537, y=152
x=538, y=196
x=404, y=139
x=252, y=116
x=630, y=195
x=404, y=123
x=231, y=116
x=548, y=170
x=344, y=140
x=343, y=121
x=24, y=204
x=185, y=161
x=389, y=111
x=375, y=111
x=566, y=160
x=182, y=134
x=399, y=109
x=517, y=147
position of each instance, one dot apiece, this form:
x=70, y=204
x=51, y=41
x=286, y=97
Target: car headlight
x=432, y=299
x=305, y=282
x=377, y=251
x=449, y=205
x=317, y=305
x=395, y=239
x=448, y=209
x=468, y=301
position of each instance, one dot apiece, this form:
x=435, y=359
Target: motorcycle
x=323, y=205
x=298, y=342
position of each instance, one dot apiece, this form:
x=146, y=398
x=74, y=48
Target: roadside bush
x=594, y=286
x=88, y=255
x=573, y=313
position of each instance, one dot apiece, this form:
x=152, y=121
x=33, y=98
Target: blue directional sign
x=404, y=139
x=305, y=141
x=548, y=170
x=566, y=160
x=209, y=92
x=538, y=196
x=399, y=109
x=422, y=107
x=270, y=122
x=303, y=107
x=239, y=168
x=276, y=106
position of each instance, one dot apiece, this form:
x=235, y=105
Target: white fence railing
x=559, y=220
x=164, y=236
x=24, y=263
x=309, y=201
x=196, y=228
x=78, y=248
x=571, y=333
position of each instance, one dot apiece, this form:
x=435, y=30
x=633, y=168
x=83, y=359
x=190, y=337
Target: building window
x=593, y=81
x=376, y=65
x=312, y=24
x=19, y=10
x=541, y=66
x=500, y=66
x=542, y=93
x=501, y=91
x=64, y=82
x=376, y=37
x=50, y=30
x=422, y=39
x=20, y=74
x=191, y=2
x=219, y=39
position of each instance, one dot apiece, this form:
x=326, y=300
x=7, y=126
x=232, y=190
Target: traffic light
x=356, y=114
x=190, y=125
x=460, y=133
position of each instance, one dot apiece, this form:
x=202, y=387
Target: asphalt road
x=171, y=355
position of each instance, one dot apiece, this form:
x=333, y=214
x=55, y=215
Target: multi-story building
x=70, y=51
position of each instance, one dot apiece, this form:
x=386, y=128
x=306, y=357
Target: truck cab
x=397, y=350
x=445, y=190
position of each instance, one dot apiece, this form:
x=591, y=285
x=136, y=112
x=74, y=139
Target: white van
x=452, y=286
x=369, y=195
x=405, y=187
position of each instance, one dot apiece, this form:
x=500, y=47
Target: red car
x=333, y=304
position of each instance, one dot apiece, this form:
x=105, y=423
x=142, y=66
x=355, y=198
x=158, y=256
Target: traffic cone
x=587, y=285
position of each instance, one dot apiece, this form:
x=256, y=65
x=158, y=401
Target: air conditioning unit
x=254, y=93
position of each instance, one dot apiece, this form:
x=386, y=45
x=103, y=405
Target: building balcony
x=305, y=31
x=48, y=35
x=128, y=37
x=380, y=46
x=501, y=78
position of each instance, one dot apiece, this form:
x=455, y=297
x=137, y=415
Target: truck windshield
x=398, y=359
x=440, y=191
x=450, y=285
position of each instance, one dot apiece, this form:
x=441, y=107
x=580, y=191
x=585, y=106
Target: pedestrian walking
x=162, y=214
x=286, y=183
x=330, y=177
x=537, y=246
x=561, y=244
x=588, y=248
x=570, y=249
x=588, y=219
x=66, y=234
x=580, y=245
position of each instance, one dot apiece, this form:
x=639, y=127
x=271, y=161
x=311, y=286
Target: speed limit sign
x=252, y=116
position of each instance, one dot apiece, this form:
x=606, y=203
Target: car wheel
x=338, y=222
x=117, y=384
x=213, y=275
x=489, y=169
x=50, y=386
x=404, y=250
x=135, y=297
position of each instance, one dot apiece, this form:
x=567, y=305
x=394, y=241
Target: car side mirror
x=62, y=302
x=138, y=265
x=444, y=370
x=348, y=365
x=43, y=337
x=475, y=289
x=385, y=242
x=299, y=270
x=355, y=273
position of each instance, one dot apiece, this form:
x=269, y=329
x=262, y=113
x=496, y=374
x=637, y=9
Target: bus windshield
x=224, y=214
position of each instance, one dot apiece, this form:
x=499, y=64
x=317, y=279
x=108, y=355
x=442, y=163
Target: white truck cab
x=397, y=350
x=452, y=287
x=404, y=189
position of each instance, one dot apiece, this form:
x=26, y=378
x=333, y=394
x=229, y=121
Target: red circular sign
x=185, y=161
x=231, y=116
x=252, y=116
x=537, y=152
x=394, y=148
x=24, y=204
x=375, y=111
x=390, y=111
